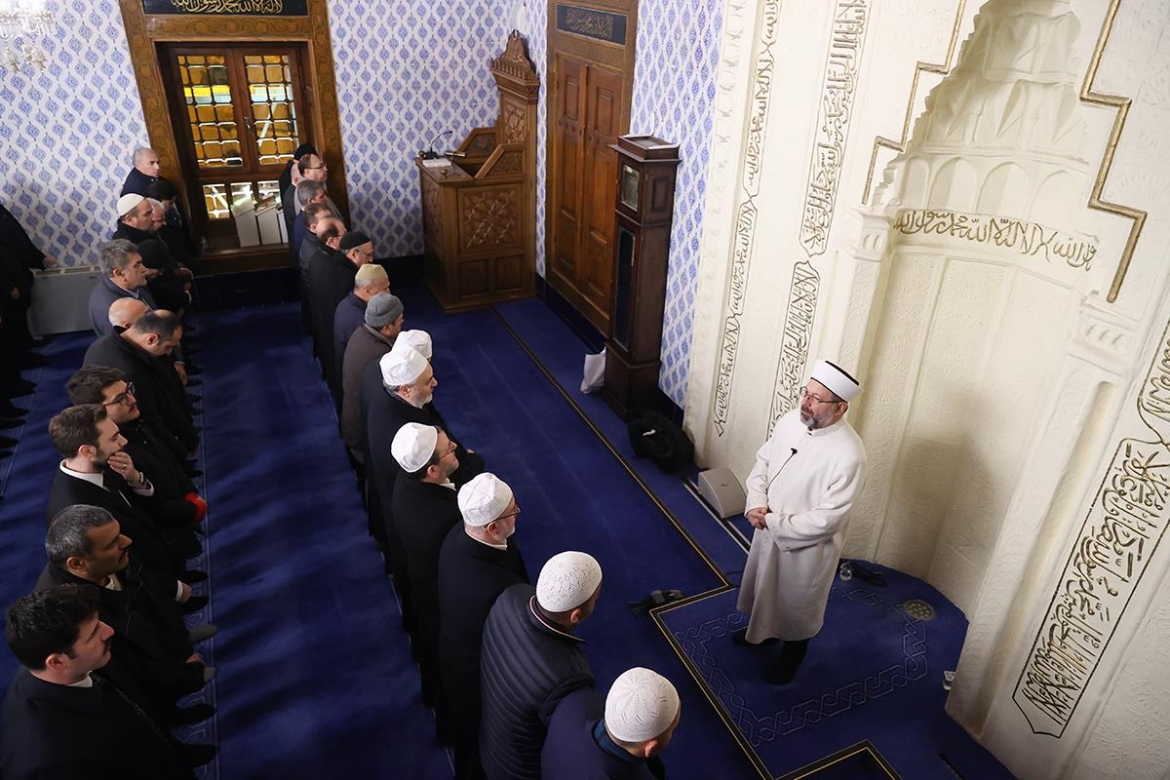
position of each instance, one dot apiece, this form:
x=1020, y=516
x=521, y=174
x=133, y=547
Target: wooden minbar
x=479, y=207
x=646, y=169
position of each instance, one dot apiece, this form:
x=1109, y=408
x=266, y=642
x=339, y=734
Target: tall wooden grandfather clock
x=646, y=169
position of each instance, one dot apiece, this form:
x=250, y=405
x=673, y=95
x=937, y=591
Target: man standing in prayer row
x=425, y=509
x=383, y=320
x=619, y=738
x=798, y=499
x=478, y=562
x=143, y=174
x=60, y=719
x=350, y=311
x=531, y=660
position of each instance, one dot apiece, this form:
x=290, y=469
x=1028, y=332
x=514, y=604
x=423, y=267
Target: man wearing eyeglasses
x=799, y=494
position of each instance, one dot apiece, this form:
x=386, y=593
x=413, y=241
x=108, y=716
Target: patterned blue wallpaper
x=68, y=132
x=674, y=95
x=406, y=71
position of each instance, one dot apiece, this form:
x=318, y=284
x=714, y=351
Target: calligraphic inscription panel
x=795, y=338
x=838, y=89
x=746, y=212
x=228, y=7
x=1123, y=529
x=1029, y=239
x=591, y=23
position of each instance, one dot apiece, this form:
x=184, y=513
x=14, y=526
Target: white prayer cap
x=402, y=365
x=484, y=499
x=414, y=445
x=641, y=705
x=836, y=379
x=567, y=581
x=128, y=203
x=419, y=339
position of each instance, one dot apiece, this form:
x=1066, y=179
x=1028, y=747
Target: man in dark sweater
x=478, y=561
x=140, y=352
x=618, y=738
x=62, y=720
x=143, y=174
x=531, y=659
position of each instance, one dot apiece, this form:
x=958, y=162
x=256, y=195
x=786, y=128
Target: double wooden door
x=590, y=114
x=240, y=113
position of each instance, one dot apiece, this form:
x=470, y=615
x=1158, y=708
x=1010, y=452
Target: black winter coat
x=528, y=666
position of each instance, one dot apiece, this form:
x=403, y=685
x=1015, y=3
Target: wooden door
x=591, y=67
x=239, y=110
x=604, y=110
x=583, y=180
x=565, y=175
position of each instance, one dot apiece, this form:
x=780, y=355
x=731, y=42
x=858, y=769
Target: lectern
x=479, y=208
x=646, y=169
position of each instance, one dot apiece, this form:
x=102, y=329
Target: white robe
x=808, y=495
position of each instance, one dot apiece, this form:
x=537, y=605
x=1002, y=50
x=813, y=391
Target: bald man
x=124, y=312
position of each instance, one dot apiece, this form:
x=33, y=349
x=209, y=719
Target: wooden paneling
x=589, y=91
x=145, y=33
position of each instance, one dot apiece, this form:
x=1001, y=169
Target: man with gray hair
x=124, y=276
x=143, y=174
x=152, y=652
x=620, y=736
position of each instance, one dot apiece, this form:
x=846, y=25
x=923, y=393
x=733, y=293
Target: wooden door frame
x=146, y=32
x=616, y=57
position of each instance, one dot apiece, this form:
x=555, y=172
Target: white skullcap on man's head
x=414, y=445
x=484, y=499
x=419, y=339
x=641, y=705
x=836, y=379
x=128, y=203
x=402, y=365
x=567, y=581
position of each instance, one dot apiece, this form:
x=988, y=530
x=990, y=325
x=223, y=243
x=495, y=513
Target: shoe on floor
x=20, y=387
x=193, y=604
x=193, y=576
x=185, y=716
x=202, y=632
x=196, y=755
x=9, y=409
x=9, y=424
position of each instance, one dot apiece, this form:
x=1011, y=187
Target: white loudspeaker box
x=720, y=488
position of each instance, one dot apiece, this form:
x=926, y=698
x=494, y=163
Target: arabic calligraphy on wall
x=1027, y=238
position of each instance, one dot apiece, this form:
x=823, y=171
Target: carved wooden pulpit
x=479, y=211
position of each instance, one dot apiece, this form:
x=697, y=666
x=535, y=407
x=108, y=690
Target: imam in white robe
x=808, y=481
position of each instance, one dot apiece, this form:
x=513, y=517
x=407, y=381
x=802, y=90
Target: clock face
x=631, y=182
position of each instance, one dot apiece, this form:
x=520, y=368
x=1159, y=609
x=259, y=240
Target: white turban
x=414, y=445
x=567, y=581
x=835, y=379
x=419, y=339
x=640, y=706
x=484, y=499
x=402, y=365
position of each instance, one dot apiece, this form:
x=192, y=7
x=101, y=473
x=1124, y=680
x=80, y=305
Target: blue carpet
x=315, y=678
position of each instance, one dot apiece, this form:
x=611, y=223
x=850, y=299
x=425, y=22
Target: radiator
x=60, y=300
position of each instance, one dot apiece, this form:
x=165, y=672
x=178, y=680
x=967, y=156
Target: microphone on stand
x=430, y=153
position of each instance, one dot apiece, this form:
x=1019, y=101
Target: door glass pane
x=214, y=132
x=273, y=110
